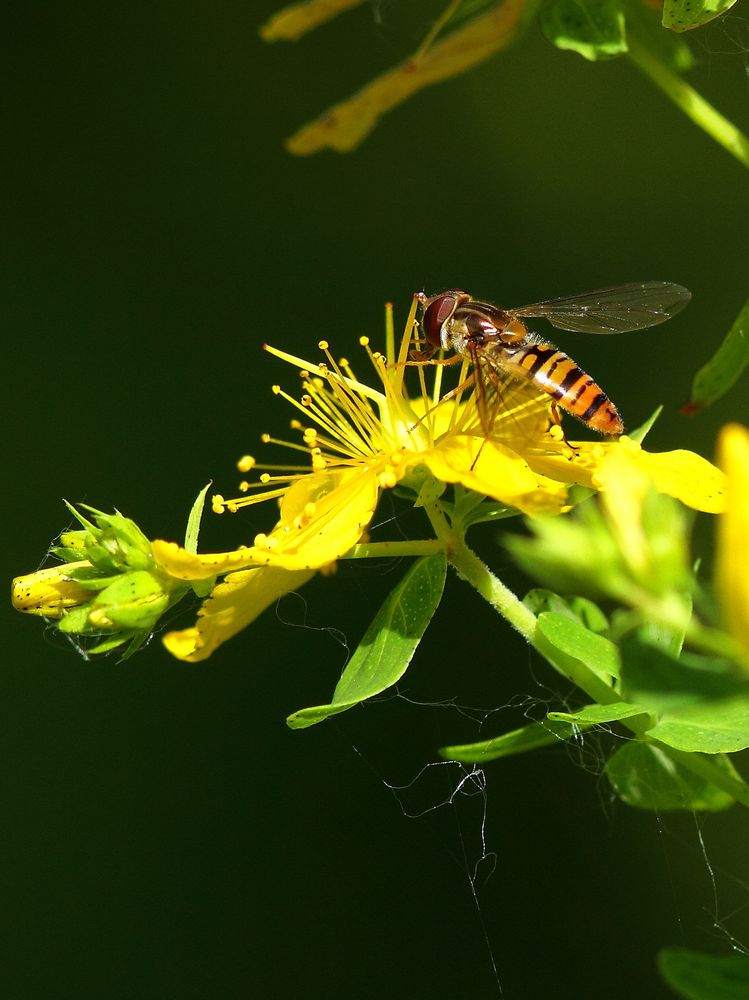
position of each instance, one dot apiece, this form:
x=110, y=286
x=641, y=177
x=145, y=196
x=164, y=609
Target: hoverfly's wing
x=612, y=310
x=503, y=397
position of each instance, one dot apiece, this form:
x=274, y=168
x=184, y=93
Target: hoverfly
x=498, y=343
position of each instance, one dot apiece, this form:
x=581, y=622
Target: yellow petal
x=494, y=470
x=322, y=516
x=234, y=603
x=687, y=477
x=49, y=591
x=680, y=474
x=732, y=560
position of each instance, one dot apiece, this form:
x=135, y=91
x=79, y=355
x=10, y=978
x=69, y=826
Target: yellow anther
x=245, y=463
x=275, y=389
x=244, y=486
x=265, y=439
x=218, y=504
x=265, y=477
x=363, y=341
x=306, y=400
x=323, y=345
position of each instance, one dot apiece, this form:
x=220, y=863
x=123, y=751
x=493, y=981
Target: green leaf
x=568, y=645
x=193, y=521
x=723, y=369
x=683, y=15
x=644, y=26
x=654, y=677
x=390, y=641
x=579, y=609
x=592, y=715
x=592, y=28
x=644, y=776
x=711, y=727
x=705, y=977
x=538, y=734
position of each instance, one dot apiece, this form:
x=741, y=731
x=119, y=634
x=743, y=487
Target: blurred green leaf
x=579, y=609
x=385, y=652
x=705, y=977
x=532, y=737
x=592, y=28
x=724, y=368
x=644, y=776
x=683, y=15
x=654, y=677
x=644, y=24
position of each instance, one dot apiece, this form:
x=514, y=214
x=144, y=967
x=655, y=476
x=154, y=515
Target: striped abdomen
x=556, y=373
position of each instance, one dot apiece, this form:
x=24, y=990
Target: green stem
x=694, y=106
x=373, y=550
x=478, y=574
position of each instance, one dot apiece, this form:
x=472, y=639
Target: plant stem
x=694, y=106
x=474, y=571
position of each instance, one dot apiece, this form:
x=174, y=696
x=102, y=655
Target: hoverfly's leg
x=419, y=358
x=446, y=398
x=557, y=431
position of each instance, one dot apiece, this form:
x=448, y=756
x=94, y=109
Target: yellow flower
x=732, y=558
x=344, y=126
x=360, y=440
x=48, y=592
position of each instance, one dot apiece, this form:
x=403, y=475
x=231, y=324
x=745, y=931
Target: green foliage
x=532, y=737
x=592, y=28
x=646, y=777
x=724, y=368
x=695, y=976
x=683, y=15
x=385, y=652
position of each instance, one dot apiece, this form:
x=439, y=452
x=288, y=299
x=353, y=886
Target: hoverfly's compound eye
x=439, y=309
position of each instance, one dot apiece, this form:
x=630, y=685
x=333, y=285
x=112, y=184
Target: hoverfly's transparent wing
x=612, y=310
x=507, y=405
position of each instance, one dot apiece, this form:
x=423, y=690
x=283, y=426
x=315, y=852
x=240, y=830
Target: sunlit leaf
x=724, y=368
x=712, y=727
x=644, y=776
x=569, y=645
x=592, y=28
x=683, y=15
x=695, y=976
x=532, y=737
x=389, y=643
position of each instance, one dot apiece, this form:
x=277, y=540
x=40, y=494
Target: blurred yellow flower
x=732, y=557
x=344, y=126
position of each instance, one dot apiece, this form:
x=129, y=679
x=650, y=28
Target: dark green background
x=163, y=835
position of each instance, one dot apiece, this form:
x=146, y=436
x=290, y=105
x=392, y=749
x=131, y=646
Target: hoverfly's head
x=437, y=313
